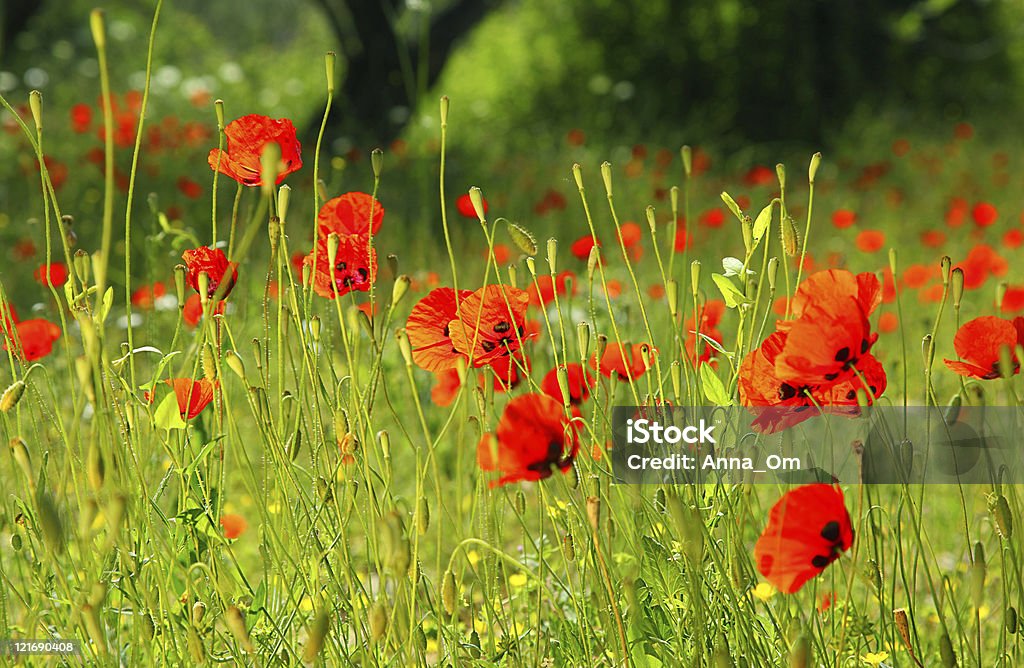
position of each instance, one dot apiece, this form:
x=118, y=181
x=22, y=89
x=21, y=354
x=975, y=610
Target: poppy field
x=269, y=405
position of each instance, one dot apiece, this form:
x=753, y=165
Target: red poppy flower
x=543, y=291
x=491, y=324
x=630, y=234
x=581, y=247
x=53, y=274
x=35, y=338
x=979, y=343
x=429, y=331
x=350, y=214
x=579, y=383
x=963, y=130
x=624, y=360
x=682, y=240
x=759, y=175
x=508, y=372
x=575, y=137
x=888, y=322
x=502, y=254
x=957, y=212
x=843, y=218
x=713, y=218
x=984, y=214
x=246, y=137
x=81, y=117
x=900, y=147
x=192, y=395
x=870, y=241
x=445, y=388
x=233, y=525
x=933, y=238
x=808, y=528
x=533, y=439
x=192, y=311
x=917, y=275
x=1013, y=299
x=189, y=188
x=464, y=205
x=355, y=266
x=710, y=315
x=217, y=268
x=145, y=296
x=981, y=261
x=1013, y=238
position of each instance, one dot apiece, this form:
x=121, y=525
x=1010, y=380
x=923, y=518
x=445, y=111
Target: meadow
x=268, y=403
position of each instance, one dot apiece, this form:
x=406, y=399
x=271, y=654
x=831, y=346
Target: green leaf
x=732, y=295
x=763, y=221
x=104, y=306
x=713, y=388
x=167, y=415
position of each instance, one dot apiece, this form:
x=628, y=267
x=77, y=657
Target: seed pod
x=946, y=651
x=651, y=221
x=976, y=575
x=562, y=375
x=236, y=624
x=747, y=227
x=672, y=296
x=583, y=338
x=902, y=627
x=317, y=634
x=594, y=512
x=945, y=264
x=449, y=592
x=404, y=346
x=957, y=278
x=552, y=248
x=476, y=198
x=520, y=502
x=1011, y=620
x=694, y=277
x=16, y=542
x=773, y=272
x=11, y=396
x=606, y=177
x=378, y=619
x=1000, y=509
x=377, y=162
x=592, y=259
x=96, y=468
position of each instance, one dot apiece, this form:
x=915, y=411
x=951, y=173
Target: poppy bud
x=19, y=450
x=520, y=502
x=1011, y=620
x=747, y=227
x=522, y=238
x=209, y=363
x=1000, y=509
x=812, y=169
x=790, y=236
x=448, y=592
x=945, y=265
x=362, y=320
x=673, y=198
x=296, y=446
x=902, y=627
x=329, y=59
x=531, y=266
x=270, y=164
x=317, y=634
x=568, y=547
x=16, y=542
x=552, y=254
x=99, y=33
x=946, y=651
x=400, y=287
x=218, y=108
x=11, y=396
x=445, y=103
x=602, y=345
x=198, y=612
x=35, y=104
x=204, y=288
x=82, y=263
x=592, y=259
x=377, y=162
x=195, y=647
x=686, y=153
x=594, y=512
x=651, y=222
x=976, y=575
x=423, y=517
x=325, y=490
x=562, y=375
x=96, y=468
x=476, y=198
x=257, y=352
x=384, y=439
x=179, y=284
x=393, y=264
x=800, y=653
x=892, y=261
x=927, y=349
x=404, y=346
x=513, y=276
x=321, y=189
x=234, y=363
x=284, y=194
x=577, y=174
x=733, y=206
x=694, y=276
x=236, y=624
x=50, y=522
x=958, y=286
x=780, y=171
x=606, y=176
x=583, y=338
x=675, y=372
x=773, y=272
x=672, y=296
x=378, y=620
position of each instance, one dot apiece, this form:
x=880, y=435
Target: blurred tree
x=391, y=59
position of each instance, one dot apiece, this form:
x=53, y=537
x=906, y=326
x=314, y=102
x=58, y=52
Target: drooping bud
x=687, y=155
x=812, y=169
x=11, y=396
x=606, y=176
x=476, y=198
